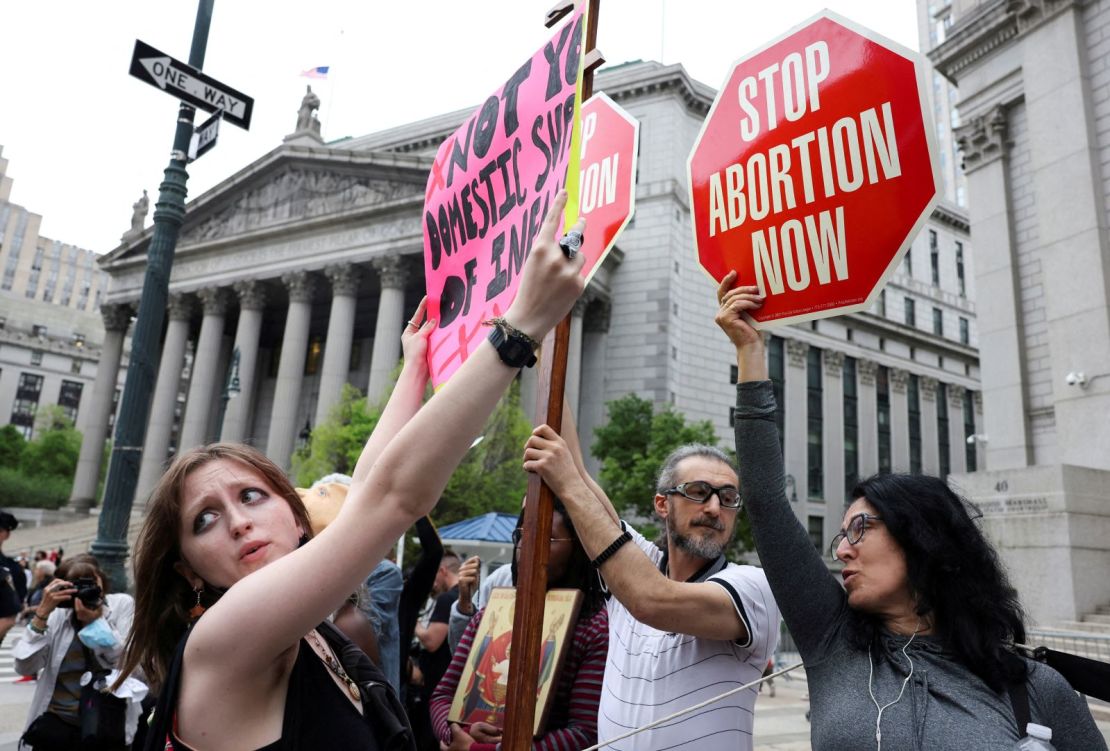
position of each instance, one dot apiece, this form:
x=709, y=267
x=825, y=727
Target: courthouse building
x=52, y=335
x=1034, y=103
x=307, y=262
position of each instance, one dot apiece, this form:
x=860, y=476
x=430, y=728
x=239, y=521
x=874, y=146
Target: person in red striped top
x=572, y=723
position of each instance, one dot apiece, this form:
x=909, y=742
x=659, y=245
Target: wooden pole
x=535, y=546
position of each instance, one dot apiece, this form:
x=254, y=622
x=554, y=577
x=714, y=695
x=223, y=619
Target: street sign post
x=190, y=85
x=204, y=137
x=815, y=168
x=607, y=182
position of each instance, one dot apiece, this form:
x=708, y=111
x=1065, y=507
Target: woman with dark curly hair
x=915, y=651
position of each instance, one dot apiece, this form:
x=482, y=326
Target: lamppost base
x=112, y=557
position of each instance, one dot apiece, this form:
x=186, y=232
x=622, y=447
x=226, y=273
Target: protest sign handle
x=536, y=538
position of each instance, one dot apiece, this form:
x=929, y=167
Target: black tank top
x=317, y=713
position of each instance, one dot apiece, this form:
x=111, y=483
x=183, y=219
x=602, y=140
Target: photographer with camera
x=77, y=629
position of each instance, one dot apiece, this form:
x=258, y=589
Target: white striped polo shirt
x=651, y=674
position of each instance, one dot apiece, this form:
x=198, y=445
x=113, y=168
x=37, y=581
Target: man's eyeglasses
x=699, y=491
x=857, y=525
x=518, y=535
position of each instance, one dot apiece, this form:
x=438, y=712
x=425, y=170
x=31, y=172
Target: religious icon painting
x=483, y=689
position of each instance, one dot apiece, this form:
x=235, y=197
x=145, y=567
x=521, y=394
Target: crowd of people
x=267, y=617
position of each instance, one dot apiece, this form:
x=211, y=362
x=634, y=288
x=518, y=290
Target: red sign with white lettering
x=607, y=182
x=815, y=169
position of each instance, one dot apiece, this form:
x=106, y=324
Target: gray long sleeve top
x=945, y=705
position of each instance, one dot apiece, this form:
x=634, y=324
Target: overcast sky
x=83, y=138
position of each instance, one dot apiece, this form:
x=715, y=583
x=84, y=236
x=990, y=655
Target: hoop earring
x=197, y=610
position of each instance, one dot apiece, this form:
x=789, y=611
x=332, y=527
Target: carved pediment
x=295, y=194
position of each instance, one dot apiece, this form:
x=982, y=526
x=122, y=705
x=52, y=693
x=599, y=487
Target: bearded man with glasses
x=685, y=624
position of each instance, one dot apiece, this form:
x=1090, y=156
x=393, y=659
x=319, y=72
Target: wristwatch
x=515, y=350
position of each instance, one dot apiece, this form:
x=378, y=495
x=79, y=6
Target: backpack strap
x=1019, y=700
x=381, y=707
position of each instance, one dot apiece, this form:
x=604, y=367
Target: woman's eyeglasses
x=853, y=533
x=518, y=535
x=699, y=491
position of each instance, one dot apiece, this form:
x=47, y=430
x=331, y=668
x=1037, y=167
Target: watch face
x=516, y=351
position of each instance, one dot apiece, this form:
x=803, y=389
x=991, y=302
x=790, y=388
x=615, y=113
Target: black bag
x=380, y=705
x=103, y=715
x=49, y=732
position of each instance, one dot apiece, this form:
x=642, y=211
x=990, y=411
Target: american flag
x=320, y=72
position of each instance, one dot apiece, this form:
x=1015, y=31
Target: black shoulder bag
x=103, y=715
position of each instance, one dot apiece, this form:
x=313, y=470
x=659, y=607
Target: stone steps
x=73, y=536
x=1084, y=626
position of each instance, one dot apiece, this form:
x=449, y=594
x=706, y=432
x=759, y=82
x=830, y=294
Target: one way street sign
x=188, y=84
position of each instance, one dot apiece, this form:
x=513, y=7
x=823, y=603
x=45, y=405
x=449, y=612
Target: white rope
x=688, y=710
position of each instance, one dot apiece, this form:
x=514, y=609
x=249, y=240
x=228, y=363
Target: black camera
x=88, y=592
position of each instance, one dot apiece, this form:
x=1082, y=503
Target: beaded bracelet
x=608, y=553
x=508, y=328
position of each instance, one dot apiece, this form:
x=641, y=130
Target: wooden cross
x=531, y=585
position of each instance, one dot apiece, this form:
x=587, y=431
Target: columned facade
x=164, y=403
x=341, y=326
x=238, y=413
x=392, y=275
x=206, y=375
x=87, y=477
x=294, y=346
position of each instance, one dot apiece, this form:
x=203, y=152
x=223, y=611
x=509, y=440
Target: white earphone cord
x=871, y=691
x=688, y=710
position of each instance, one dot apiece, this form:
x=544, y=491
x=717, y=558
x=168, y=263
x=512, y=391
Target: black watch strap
x=515, y=350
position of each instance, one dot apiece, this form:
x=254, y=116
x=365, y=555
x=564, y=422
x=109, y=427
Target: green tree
x=632, y=447
x=53, y=452
x=11, y=446
x=337, y=441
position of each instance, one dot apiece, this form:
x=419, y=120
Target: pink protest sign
x=490, y=186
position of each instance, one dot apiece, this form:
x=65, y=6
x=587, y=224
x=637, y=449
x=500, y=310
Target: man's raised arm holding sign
x=662, y=599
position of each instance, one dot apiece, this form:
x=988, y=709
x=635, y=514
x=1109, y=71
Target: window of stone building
x=961, y=279
x=942, y=431
x=815, y=422
x=881, y=310
x=39, y=330
x=938, y=321
x=776, y=367
x=934, y=260
x=851, y=425
x=965, y=331
x=969, y=429
x=907, y=266
x=36, y=357
x=69, y=398
x=26, y=403
x=732, y=417
x=314, y=354
x=911, y=311
x=882, y=412
x=815, y=525
x=75, y=366
x=733, y=374
x=913, y=396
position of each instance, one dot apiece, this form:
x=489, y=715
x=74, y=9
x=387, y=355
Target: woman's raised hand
x=550, y=282
x=414, y=339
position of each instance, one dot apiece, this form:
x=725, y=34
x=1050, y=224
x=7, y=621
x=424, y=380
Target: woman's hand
x=85, y=614
x=56, y=592
x=732, y=316
x=550, y=282
x=460, y=741
x=414, y=339
x=483, y=732
x=469, y=574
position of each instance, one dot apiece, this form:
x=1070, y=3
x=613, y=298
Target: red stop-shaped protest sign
x=607, y=176
x=814, y=169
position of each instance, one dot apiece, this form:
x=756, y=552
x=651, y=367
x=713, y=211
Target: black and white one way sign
x=187, y=83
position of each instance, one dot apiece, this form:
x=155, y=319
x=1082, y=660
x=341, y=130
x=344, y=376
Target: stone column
x=832, y=439
x=957, y=441
x=591, y=398
x=237, y=416
x=868, y=418
x=899, y=421
x=160, y=424
x=205, y=378
x=795, y=444
x=87, y=477
x=574, y=354
x=341, y=328
x=391, y=320
x=984, y=144
x=294, y=347
x=930, y=446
